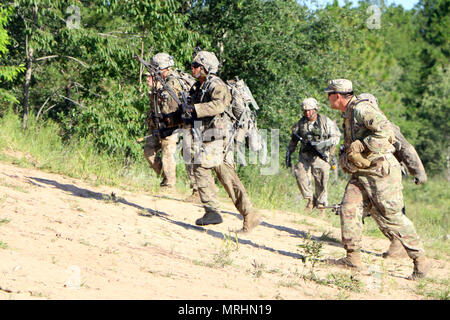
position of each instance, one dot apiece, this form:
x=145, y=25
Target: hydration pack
x=243, y=116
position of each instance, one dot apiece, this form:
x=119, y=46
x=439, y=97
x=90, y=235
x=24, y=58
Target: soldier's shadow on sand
x=85, y=193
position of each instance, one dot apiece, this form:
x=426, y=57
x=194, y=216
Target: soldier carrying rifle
x=167, y=85
x=319, y=136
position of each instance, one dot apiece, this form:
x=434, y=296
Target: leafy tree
x=7, y=73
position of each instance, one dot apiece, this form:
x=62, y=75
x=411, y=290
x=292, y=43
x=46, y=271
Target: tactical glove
x=420, y=179
x=172, y=119
x=187, y=111
x=354, y=155
x=288, y=159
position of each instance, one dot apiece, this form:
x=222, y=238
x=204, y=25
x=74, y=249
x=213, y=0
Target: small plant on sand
x=311, y=251
x=258, y=269
x=3, y=245
x=223, y=258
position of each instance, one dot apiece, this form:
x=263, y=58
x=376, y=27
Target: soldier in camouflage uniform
x=161, y=102
x=323, y=134
x=209, y=99
x=376, y=181
x=407, y=155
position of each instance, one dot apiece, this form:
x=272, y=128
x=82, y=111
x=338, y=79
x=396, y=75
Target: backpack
x=404, y=150
x=186, y=80
x=243, y=117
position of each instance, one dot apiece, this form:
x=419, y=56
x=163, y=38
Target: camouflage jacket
x=211, y=99
x=160, y=99
x=367, y=123
x=321, y=129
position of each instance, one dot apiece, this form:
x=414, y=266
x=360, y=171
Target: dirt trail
x=61, y=238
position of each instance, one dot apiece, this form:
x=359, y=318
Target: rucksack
x=243, y=116
x=404, y=150
x=186, y=80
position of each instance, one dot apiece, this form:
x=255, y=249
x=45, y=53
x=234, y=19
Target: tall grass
x=41, y=147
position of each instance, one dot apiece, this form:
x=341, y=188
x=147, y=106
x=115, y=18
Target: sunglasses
x=195, y=65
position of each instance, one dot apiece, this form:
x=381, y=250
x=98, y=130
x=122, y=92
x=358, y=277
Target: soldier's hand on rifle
x=149, y=79
x=187, y=111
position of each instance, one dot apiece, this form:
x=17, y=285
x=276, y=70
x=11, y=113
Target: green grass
x=3, y=245
x=434, y=289
x=427, y=205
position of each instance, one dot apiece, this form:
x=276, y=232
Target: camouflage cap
x=208, y=60
x=162, y=60
x=310, y=104
x=339, y=86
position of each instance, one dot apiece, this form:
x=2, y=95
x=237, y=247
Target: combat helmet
x=161, y=61
x=208, y=60
x=310, y=104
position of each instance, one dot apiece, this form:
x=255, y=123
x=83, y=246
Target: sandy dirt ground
x=61, y=238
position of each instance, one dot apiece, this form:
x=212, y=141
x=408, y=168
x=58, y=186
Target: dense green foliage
x=7, y=73
x=78, y=67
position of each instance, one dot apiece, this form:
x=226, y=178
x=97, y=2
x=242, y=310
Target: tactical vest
x=318, y=131
x=200, y=93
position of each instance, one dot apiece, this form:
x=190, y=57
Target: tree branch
x=72, y=101
x=69, y=57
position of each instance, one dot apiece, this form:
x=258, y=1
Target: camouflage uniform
x=165, y=164
x=210, y=99
x=377, y=188
x=322, y=129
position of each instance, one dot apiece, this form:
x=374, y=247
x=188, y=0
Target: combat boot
x=396, y=250
x=352, y=260
x=320, y=208
x=421, y=268
x=309, y=205
x=194, y=197
x=209, y=218
x=168, y=189
x=251, y=221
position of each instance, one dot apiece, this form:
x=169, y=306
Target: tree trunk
x=141, y=67
x=26, y=90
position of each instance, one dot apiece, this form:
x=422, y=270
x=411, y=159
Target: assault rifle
x=336, y=208
x=310, y=147
x=156, y=74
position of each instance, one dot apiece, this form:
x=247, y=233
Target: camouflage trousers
x=226, y=173
x=165, y=164
x=380, y=194
x=320, y=171
x=191, y=176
